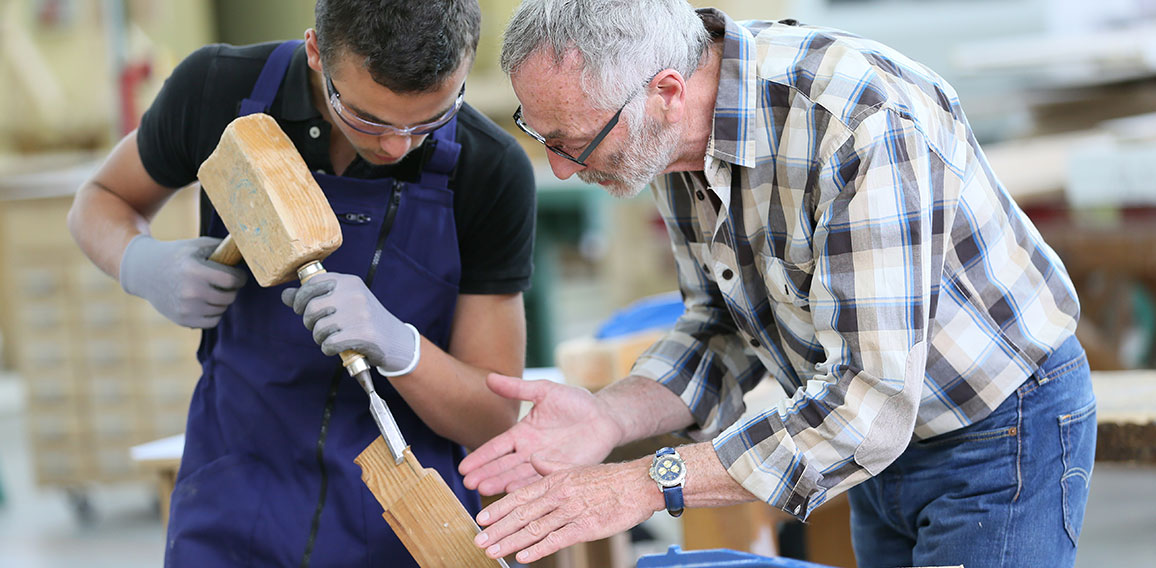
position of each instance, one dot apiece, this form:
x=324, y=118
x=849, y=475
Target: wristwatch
x=669, y=472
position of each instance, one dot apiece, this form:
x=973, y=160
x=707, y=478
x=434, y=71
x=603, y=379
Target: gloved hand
x=179, y=280
x=343, y=314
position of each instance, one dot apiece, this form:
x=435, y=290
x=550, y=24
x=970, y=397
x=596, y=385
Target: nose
x=562, y=167
x=396, y=145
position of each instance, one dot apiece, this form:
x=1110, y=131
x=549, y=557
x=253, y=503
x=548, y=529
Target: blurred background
x=1062, y=94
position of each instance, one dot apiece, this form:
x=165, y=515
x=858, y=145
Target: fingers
x=534, y=520
x=314, y=314
x=218, y=298
x=288, y=295
x=528, y=501
x=579, y=504
x=227, y=278
x=537, y=538
x=545, y=466
x=322, y=332
x=316, y=287
x=524, y=475
x=502, y=475
x=219, y=276
x=516, y=388
x=497, y=447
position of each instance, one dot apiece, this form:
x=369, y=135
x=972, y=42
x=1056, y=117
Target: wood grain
x=227, y=252
x=268, y=199
x=422, y=510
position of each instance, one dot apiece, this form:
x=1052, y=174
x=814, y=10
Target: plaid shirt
x=847, y=238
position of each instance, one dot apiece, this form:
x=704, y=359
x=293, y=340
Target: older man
x=837, y=229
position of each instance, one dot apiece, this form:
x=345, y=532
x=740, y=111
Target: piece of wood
x=422, y=510
x=274, y=210
x=1125, y=415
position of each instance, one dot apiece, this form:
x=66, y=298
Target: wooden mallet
x=281, y=224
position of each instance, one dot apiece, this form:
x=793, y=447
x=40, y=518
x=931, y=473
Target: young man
x=836, y=228
x=437, y=210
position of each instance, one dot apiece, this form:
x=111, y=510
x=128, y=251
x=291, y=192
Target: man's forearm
x=644, y=408
x=102, y=224
x=452, y=399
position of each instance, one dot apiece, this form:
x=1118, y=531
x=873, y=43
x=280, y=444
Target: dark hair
x=408, y=46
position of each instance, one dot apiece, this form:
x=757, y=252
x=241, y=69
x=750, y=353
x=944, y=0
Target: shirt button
x=706, y=269
x=314, y=132
x=700, y=195
x=727, y=274
x=754, y=342
x=321, y=171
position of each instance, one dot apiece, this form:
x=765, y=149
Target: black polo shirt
x=493, y=184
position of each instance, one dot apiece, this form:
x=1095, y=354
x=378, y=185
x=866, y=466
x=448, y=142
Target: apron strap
x=269, y=81
x=444, y=157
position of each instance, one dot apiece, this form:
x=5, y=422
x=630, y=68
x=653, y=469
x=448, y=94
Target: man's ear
x=312, y=52
x=670, y=86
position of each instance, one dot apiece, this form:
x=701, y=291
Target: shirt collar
x=296, y=100
x=734, y=109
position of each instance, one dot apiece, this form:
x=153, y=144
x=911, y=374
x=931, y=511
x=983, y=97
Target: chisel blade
x=384, y=419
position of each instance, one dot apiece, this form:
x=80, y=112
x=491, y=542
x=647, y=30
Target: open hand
x=567, y=425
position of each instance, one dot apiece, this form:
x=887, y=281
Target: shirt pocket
x=787, y=283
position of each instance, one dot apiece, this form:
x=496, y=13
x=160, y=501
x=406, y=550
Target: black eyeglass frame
x=581, y=159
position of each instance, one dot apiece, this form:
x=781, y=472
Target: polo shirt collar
x=296, y=103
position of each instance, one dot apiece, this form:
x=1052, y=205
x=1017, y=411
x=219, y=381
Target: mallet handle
x=227, y=252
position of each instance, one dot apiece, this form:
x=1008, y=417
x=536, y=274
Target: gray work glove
x=177, y=278
x=343, y=315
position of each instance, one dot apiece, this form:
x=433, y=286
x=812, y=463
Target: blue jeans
x=1006, y=491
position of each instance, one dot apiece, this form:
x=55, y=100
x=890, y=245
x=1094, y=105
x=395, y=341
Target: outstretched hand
x=567, y=425
x=567, y=506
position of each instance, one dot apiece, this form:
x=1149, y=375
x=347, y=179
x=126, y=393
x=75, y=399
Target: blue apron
x=267, y=477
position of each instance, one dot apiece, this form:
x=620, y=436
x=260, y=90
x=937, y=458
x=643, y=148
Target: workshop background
x=94, y=384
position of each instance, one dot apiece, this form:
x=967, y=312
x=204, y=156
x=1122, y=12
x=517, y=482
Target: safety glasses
x=371, y=128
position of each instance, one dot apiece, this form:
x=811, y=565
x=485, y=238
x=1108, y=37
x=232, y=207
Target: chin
x=623, y=190
x=380, y=160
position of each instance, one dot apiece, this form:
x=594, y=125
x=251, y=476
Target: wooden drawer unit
x=103, y=371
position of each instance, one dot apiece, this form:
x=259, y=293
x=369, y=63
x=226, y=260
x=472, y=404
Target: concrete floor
x=39, y=527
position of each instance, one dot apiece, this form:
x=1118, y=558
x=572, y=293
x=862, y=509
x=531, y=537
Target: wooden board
x=274, y=210
x=422, y=510
x=1125, y=415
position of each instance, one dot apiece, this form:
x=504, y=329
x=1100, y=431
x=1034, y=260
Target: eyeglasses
x=378, y=129
x=581, y=159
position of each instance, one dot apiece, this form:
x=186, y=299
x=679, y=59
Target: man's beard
x=646, y=155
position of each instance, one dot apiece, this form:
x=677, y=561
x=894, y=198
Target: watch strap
x=673, y=497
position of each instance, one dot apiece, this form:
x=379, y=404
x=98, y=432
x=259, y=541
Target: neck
x=702, y=90
x=341, y=152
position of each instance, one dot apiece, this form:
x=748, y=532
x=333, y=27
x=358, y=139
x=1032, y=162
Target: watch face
x=668, y=471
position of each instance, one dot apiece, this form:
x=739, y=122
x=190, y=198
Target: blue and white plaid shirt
x=847, y=238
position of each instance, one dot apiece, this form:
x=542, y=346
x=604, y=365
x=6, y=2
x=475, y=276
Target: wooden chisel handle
x=354, y=362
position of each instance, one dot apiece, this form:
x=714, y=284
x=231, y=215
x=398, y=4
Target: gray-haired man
x=836, y=228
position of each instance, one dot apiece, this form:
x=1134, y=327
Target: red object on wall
x=131, y=75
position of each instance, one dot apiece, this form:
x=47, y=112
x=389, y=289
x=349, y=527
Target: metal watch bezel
x=680, y=476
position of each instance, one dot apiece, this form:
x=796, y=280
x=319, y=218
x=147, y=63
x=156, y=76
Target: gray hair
x=622, y=43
